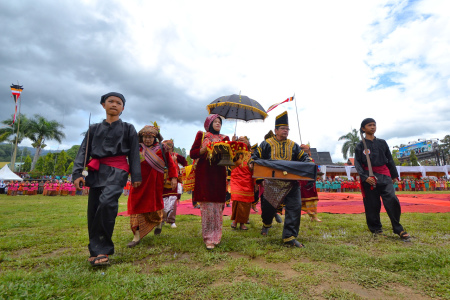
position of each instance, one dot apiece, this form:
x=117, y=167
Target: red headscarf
x=209, y=120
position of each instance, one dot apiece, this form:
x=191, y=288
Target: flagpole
x=298, y=122
x=13, y=163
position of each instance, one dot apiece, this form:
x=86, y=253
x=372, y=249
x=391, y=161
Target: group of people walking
x=115, y=150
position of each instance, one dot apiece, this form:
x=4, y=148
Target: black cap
x=282, y=120
x=106, y=96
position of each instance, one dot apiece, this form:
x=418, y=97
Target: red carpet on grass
x=345, y=203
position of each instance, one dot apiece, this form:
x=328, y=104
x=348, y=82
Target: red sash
x=119, y=162
x=380, y=170
x=384, y=170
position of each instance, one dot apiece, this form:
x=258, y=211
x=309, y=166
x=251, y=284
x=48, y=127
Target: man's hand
x=137, y=184
x=77, y=183
x=371, y=181
x=174, y=183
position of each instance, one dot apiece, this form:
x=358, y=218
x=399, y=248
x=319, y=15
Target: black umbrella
x=237, y=107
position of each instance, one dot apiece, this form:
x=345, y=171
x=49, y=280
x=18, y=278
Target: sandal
x=209, y=246
x=243, y=227
x=278, y=218
x=265, y=231
x=379, y=233
x=294, y=243
x=405, y=236
x=133, y=244
x=94, y=262
x=233, y=225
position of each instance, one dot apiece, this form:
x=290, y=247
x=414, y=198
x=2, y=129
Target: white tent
x=6, y=174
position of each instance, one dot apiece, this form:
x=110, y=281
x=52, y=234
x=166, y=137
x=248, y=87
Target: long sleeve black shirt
x=106, y=140
x=380, y=155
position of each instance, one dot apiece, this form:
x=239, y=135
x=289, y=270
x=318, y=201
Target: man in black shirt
x=110, y=143
x=279, y=147
x=385, y=172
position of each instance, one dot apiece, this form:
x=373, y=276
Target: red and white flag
x=16, y=90
x=272, y=107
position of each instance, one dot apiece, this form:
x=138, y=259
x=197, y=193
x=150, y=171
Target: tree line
x=36, y=129
x=39, y=130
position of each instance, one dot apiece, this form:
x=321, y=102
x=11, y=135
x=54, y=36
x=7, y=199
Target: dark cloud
x=67, y=55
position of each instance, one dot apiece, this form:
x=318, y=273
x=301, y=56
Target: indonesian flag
x=272, y=107
x=16, y=90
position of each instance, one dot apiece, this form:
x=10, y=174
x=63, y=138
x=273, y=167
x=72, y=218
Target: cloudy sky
x=343, y=60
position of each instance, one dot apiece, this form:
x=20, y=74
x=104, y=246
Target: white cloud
x=329, y=53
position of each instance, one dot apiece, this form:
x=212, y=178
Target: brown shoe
x=243, y=227
x=133, y=243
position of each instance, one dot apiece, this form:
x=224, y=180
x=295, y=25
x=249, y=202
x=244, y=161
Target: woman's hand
x=203, y=150
x=240, y=160
x=136, y=184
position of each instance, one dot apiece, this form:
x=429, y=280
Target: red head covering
x=209, y=120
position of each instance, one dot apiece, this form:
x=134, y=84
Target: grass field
x=43, y=244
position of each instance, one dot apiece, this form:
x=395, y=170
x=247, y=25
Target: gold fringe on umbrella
x=231, y=104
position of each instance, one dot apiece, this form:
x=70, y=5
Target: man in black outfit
x=385, y=172
x=279, y=147
x=109, y=144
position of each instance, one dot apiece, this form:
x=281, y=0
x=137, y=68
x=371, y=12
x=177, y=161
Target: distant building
x=321, y=158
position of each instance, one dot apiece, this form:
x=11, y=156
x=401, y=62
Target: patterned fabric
x=152, y=158
x=169, y=203
x=281, y=150
x=209, y=120
x=145, y=222
x=212, y=138
x=310, y=206
x=276, y=190
x=211, y=222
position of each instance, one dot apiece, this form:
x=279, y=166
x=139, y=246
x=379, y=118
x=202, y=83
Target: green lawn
x=43, y=255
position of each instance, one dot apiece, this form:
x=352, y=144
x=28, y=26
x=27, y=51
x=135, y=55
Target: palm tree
x=9, y=135
x=9, y=132
x=40, y=130
x=352, y=139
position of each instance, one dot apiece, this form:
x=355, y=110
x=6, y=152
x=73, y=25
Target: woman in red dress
x=210, y=181
x=145, y=203
x=242, y=188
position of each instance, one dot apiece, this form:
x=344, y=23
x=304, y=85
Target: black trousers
x=293, y=207
x=103, y=204
x=372, y=206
